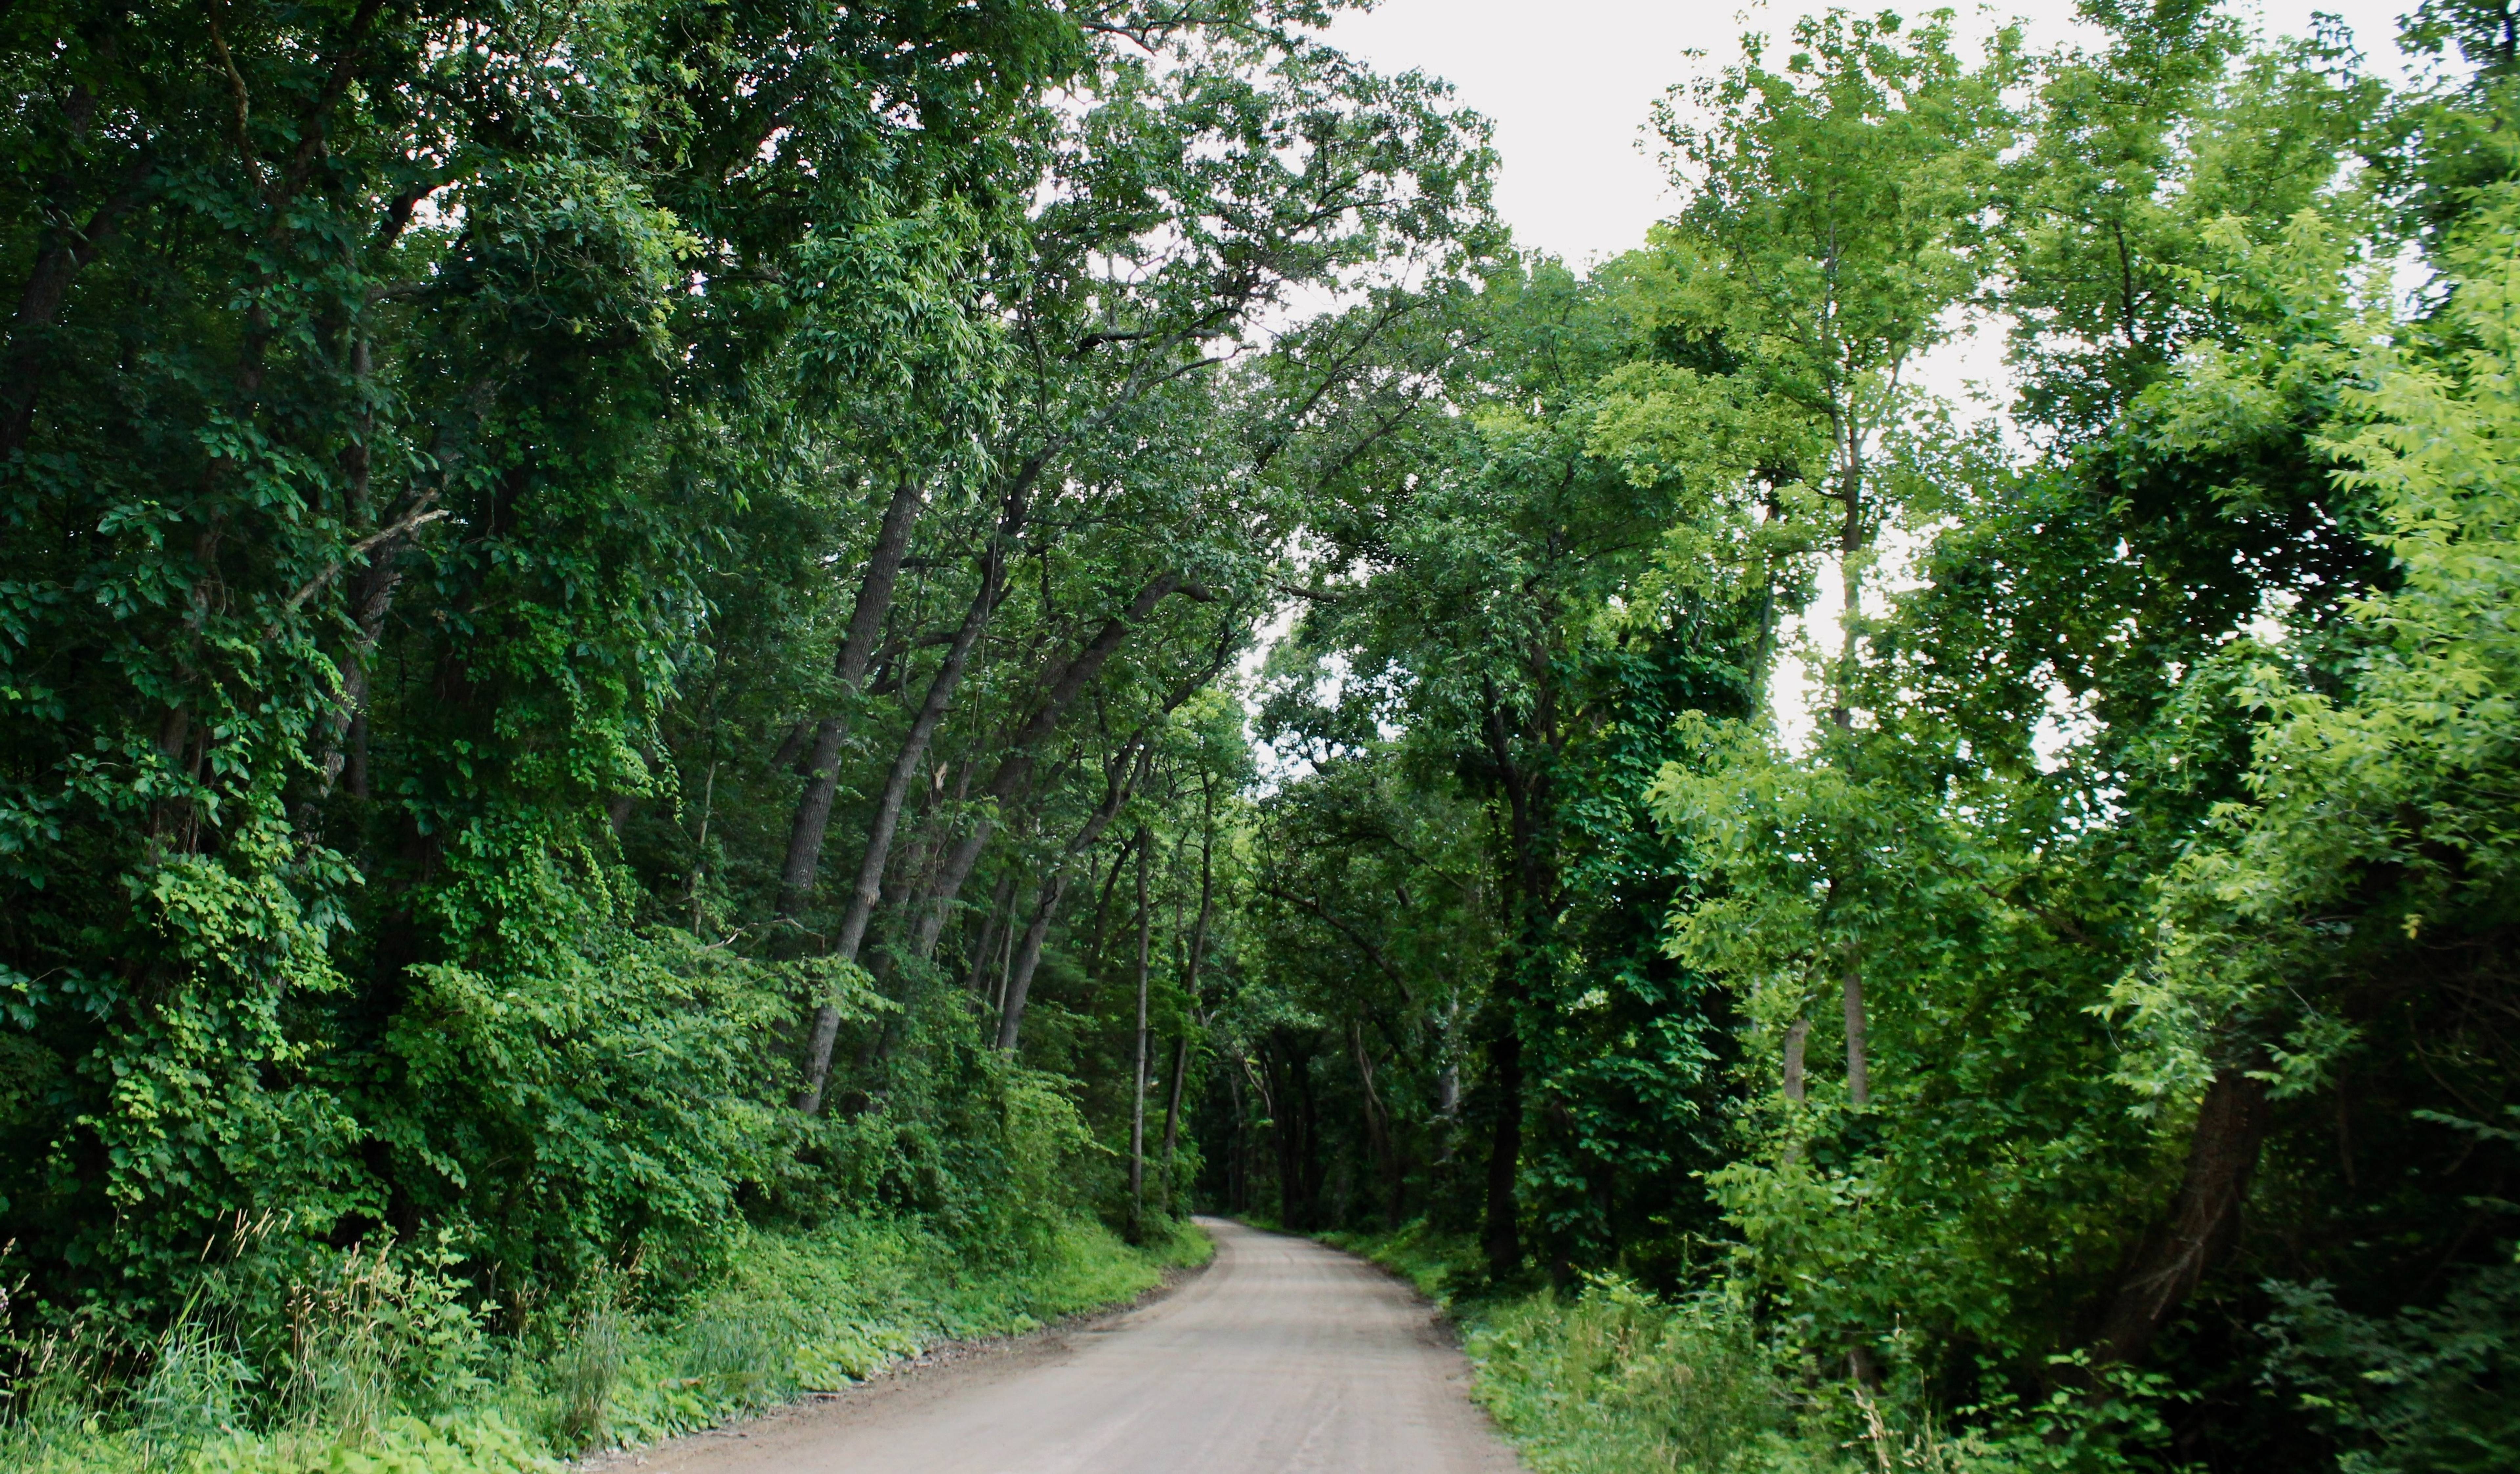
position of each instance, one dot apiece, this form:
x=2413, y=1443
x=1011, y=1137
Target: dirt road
x=1283, y=1357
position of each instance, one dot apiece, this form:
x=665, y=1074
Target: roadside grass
x=1611, y=1379
x=627, y=1364
x=1432, y=1261
x=1622, y=1382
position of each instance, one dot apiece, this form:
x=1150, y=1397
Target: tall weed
x=1617, y=1380
x=199, y=1387
x=589, y=1364
x=373, y=1330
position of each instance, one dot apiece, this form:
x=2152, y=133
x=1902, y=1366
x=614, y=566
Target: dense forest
x=642, y=638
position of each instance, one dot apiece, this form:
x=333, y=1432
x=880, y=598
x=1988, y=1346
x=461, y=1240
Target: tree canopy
x=625, y=622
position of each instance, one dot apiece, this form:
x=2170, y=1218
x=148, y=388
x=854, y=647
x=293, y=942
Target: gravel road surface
x=1282, y=1357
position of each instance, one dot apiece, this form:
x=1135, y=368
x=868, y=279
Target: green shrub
x=382, y=1368
x=1616, y=1379
x=2424, y=1391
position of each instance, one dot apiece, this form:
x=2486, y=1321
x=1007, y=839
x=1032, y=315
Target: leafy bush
x=1616, y=1380
x=2433, y=1389
x=383, y=1370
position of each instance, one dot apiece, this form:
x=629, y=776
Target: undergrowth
x=382, y=1367
x=1611, y=1379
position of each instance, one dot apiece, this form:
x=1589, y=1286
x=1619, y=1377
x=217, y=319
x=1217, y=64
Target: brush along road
x=1283, y=1357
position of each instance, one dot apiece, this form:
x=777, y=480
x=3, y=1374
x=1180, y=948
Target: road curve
x=1283, y=1357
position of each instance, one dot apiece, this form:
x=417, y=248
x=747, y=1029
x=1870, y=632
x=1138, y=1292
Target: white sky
x=1570, y=85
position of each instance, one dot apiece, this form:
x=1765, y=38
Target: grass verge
x=792, y=1313
x=1613, y=1380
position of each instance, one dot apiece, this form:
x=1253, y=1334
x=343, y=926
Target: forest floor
x=1283, y=1356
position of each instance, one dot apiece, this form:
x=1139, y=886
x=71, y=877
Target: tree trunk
x=1189, y=976
x=998, y=920
x=1377, y=1129
x=906, y=765
x=813, y=816
x=1850, y=553
x=1859, y=1075
x=1502, y=1236
x=1127, y=771
x=1531, y=904
x=63, y=255
x=1097, y=944
x=2203, y=1220
x=1016, y=768
x=1172, y=1112
x=1006, y=964
x=1797, y=1039
x=1292, y=1108
x=1028, y=957
x=1238, y=1150
x=1138, y=1076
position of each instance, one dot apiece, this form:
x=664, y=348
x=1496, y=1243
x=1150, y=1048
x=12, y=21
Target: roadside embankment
x=389, y=1374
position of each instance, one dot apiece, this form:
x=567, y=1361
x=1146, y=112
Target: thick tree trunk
x=2202, y=1222
x=1797, y=1039
x=1138, y=1076
x=813, y=816
x=906, y=765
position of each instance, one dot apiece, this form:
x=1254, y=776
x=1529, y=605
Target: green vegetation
x=387, y=1372
x=586, y=597
x=2088, y=1043
x=1609, y=1378
x=691, y=692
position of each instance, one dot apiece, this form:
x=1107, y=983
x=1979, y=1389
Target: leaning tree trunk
x=995, y=923
x=813, y=816
x=1024, y=752
x=2203, y=1220
x=1378, y=1136
x=906, y=765
x=1173, y=1112
x=1127, y=771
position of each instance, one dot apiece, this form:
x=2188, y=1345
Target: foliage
x=791, y=1313
x=2090, y=1046
x=638, y=768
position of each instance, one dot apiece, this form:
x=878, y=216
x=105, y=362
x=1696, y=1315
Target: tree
x=1832, y=225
